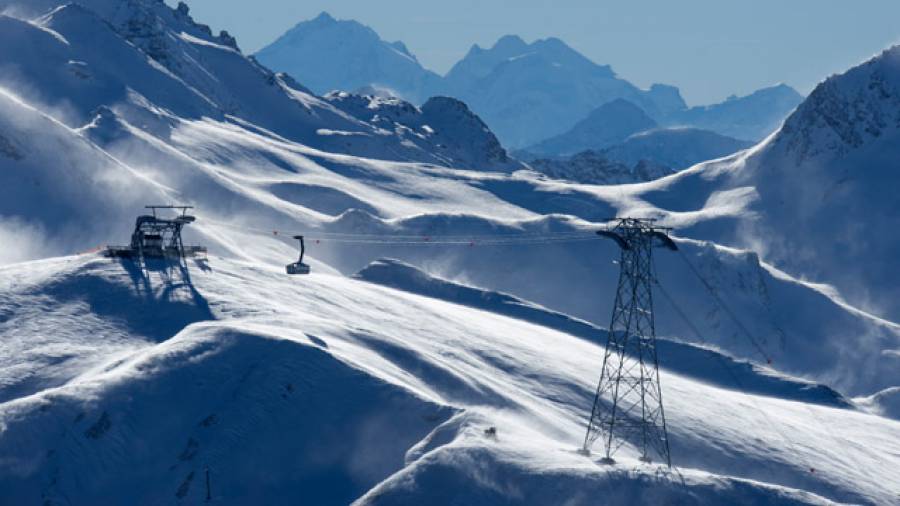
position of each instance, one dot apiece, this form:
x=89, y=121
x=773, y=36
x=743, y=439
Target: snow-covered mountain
x=751, y=117
x=815, y=197
x=609, y=124
x=451, y=129
x=622, y=132
x=529, y=92
x=145, y=386
x=327, y=54
x=678, y=148
x=526, y=92
x=157, y=64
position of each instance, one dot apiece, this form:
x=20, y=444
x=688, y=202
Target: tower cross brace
x=628, y=405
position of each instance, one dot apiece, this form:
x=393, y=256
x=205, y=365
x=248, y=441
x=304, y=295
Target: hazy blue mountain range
x=526, y=92
x=751, y=117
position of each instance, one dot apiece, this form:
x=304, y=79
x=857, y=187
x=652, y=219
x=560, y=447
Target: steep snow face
x=609, y=124
x=443, y=125
x=847, y=112
x=328, y=55
x=678, y=148
x=591, y=167
x=326, y=387
x=751, y=117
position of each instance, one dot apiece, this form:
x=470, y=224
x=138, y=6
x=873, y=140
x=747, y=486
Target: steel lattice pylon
x=628, y=405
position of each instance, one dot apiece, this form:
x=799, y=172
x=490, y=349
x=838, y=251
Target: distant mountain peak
x=324, y=17
x=778, y=89
x=554, y=43
x=327, y=54
x=509, y=42
x=618, y=105
x=609, y=124
x=400, y=46
x=782, y=86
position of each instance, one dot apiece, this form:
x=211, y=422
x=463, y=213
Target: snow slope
x=683, y=358
x=245, y=176
x=678, y=148
x=102, y=400
x=591, y=167
x=332, y=380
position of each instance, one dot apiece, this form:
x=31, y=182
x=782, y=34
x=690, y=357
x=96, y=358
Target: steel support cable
x=756, y=344
x=438, y=242
x=725, y=308
x=427, y=239
x=734, y=378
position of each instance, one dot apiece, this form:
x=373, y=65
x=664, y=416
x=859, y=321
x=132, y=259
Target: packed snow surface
x=324, y=387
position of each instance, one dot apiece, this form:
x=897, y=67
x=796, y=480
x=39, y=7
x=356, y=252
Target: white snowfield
x=327, y=389
x=124, y=386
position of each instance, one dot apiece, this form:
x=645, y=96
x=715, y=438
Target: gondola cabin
x=298, y=267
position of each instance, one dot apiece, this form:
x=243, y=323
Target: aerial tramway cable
x=428, y=239
x=734, y=378
x=721, y=303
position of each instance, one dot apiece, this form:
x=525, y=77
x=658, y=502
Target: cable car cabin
x=156, y=237
x=298, y=267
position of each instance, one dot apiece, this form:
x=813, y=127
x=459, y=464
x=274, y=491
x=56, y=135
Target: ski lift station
x=158, y=237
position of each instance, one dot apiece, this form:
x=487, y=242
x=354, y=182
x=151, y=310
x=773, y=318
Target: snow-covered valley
x=453, y=290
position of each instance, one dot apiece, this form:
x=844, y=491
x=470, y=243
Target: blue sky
x=708, y=48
